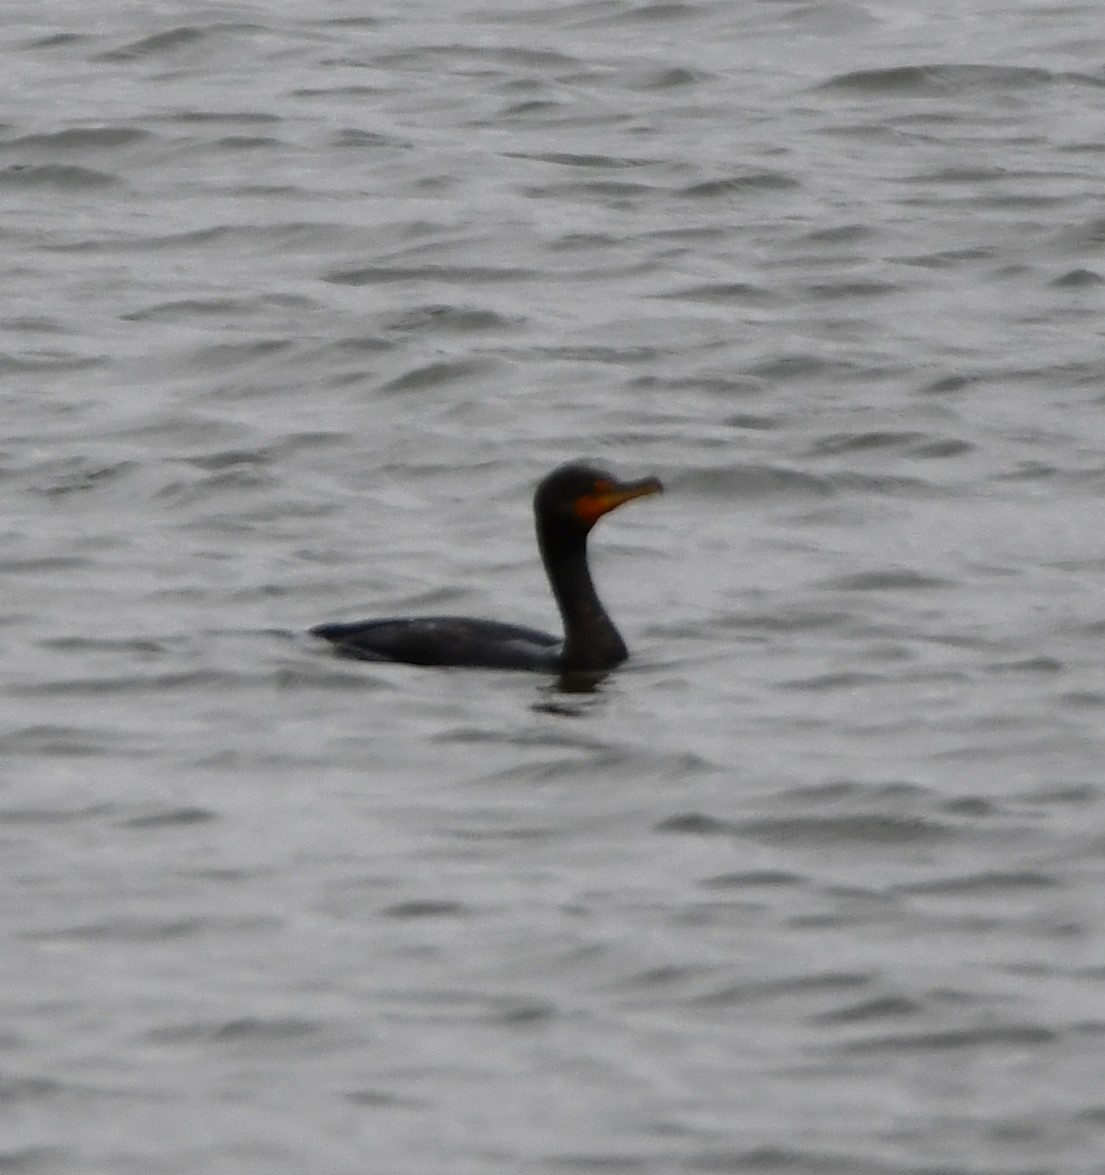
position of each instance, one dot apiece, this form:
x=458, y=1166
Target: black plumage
x=567, y=504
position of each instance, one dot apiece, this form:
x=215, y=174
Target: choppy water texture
x=301, y=301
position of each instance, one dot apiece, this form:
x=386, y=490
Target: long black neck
x=591, y=642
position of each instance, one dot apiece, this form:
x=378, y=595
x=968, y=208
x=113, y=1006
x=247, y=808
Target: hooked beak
x=591, y=507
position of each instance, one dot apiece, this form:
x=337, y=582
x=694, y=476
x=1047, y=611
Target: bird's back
x=445, y=640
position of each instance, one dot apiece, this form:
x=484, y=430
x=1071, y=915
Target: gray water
x=301, y=301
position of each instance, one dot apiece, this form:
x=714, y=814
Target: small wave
x=756, y=421
x=590, y=14
x=763, y=181
x=671, y=78
x=1084, y=699
x=840, y=234
x=123, y=930
x=16, y=1088
x=714, y=384
x=75, y=138
x=215, y=117
x=436, y=375
x=444, y=317
x=36, y=1158
x=172, y=41
x=657, y=10
x=827, y=682
x=887, y=579
x=945, y=384
x=860, y=442
x=513, y=1011
x=608, y=189
x=219, y=459
x=58, y=41
x=950, y=258
x=223, y=356
x=56, y=175
x=800, y=365
x=795, y=1160
x=665, y=977
x=49, y=362
x=939, y=79
x=893, y=791
x=464, y=275
x=1089, y=234
x=35, y=324
x=573, y=159
x=425, y=908
x=157, y=43
x=1009, y=1036
x=370, y=140
x=739, y=293
x=360, y=21
x=186, y=309
x=827, y=831
x=47, y=816
x=467, y=54
x=696, y=824
x=530, y=108
x=65, y=742
x=246, y=143
x=1038, y=664
x=1078, y=279
x=753, y=878
x=981, y=883
x=942, y=447
x=616, y=356
x=965, y=175
x=176, y=817
x=852, y=288
x=78, y=476
x=613, y=764
x=383, y=1098
x=247, y=1030
x=973, y=807
x=757, y=990
x=103, y=644
x=880, y=1008
x=45, y=563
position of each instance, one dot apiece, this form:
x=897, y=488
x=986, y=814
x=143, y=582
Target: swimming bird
x=567, y=504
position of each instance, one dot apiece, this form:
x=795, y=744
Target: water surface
x=301, y=306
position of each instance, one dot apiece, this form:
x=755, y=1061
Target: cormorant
x=567, y=504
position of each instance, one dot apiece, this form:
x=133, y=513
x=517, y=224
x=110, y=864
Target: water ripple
x=302, y=306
